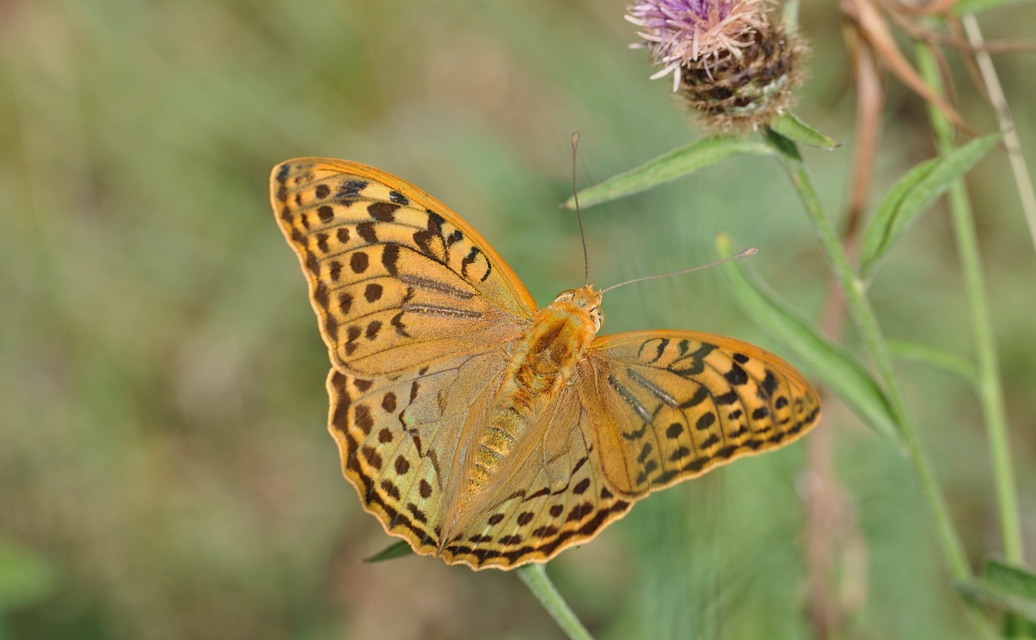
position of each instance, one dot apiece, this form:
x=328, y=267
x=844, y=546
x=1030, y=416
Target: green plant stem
x=535, y=578
x=867, y=324
x=989, y=387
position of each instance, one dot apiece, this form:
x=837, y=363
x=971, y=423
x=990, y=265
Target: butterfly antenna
x=750, y=251
x=579, y=214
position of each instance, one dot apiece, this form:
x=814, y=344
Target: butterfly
x=480, y=428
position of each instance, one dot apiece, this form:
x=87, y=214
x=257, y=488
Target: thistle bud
x=731, y=65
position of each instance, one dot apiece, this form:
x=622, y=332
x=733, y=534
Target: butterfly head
x=585, y=301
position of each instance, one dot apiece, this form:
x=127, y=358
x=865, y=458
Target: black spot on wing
x=659, y=348
x=350, y=190
x=545, y=491
x=768, y=385
x=727, y=398
x=736, y=375
x=645, y=451
x=382, y=211
x=692, y=364
x=699, y=397
x=390, y=258
x=373, y=292
x=435, y=222
x=402, y=466
x=470, y=259
x=424, y=240
x=366, y=231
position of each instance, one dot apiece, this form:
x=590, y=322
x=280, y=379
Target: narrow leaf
x=1005, y=587
x=838, y=369
x=395, y=550
x=933, y=357
x=912, y=195
x=1000, y=598
x=668, y=167
x=1021, y=585
x=791, y=127
x=875, y=235
x=1017, y=580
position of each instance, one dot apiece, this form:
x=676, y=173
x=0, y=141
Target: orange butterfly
x=484, y=430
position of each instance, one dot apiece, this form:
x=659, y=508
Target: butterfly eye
x=598, y=317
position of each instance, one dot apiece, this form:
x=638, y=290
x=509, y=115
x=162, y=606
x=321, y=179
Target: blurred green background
x=164, y=466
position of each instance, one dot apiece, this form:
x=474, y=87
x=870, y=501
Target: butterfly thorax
x=543, y=362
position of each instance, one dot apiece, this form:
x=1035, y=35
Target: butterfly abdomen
x=542, y=364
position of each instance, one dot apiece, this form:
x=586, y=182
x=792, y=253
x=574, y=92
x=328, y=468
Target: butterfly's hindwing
x=554, y=498
x=672, y=405
x=399, y=439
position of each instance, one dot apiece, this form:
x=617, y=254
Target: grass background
x=164, y=466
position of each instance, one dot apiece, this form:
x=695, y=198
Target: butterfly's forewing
x=664, y=406
x=416, y=311
x=397, y=279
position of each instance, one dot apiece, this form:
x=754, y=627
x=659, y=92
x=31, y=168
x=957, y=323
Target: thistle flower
x=728, y=61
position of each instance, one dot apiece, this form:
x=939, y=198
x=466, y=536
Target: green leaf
x=1005, y=587
x=837, y=368
x=1022, y=585
x=785, y=148
x=873, y=234
x=912, y=194
x=395, y=550
x=933, y=357
x=668, y=167
x=791, y=127
x=1011, y=578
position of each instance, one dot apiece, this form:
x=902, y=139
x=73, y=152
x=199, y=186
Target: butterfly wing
x=647, y=410
x=402, y=439
x=416, y=311
x=397, y=280
x=665, y=406
x=554, y=497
